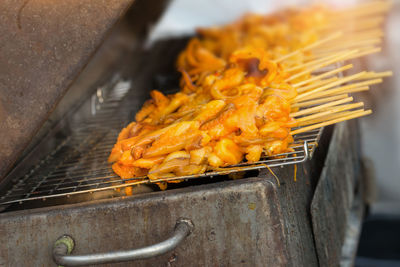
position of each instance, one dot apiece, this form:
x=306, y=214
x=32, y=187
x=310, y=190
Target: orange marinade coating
x=234, y=102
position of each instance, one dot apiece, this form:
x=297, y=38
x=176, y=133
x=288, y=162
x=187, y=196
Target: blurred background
x=380, y=238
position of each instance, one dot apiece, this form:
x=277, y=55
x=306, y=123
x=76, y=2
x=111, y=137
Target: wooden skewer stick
x=342, y=56
x=353, y=29
x=336, y=47
x=323, y=75
x=349, y=42
x=320, y=107
x=373, y=33
x=319, y=101
x=327, y=57
x=326, y=123
x=362, y=35
x=341, y=89
x=311, y=46
x=363, y=6
x=327, y=118
x=361, y=40
x=356, y=37
x=333, y=84
x=365, y=52
x=361, y=52
x=361, y=10
x=346, y=91
x=352, y=24
x=351, y=88
x=330, y=112
x=316, y=84
x=311, y=63
x=373, y=75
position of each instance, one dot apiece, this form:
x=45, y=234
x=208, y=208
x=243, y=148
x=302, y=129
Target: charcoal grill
x=79, y=165
x=62, y=184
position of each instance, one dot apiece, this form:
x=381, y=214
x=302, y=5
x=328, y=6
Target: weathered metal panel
x=334, y=195
x=237, y=223
x=294, y=199
x=250, y=222
x=295, y=193
x=43, y=46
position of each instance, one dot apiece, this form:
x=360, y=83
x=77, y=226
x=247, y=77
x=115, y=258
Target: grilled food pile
x=248, y=87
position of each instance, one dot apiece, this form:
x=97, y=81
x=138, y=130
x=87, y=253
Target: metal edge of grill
x=79, y=164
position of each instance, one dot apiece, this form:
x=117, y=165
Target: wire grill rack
x=79, y=163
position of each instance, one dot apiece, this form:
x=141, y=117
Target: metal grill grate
x=79, y=164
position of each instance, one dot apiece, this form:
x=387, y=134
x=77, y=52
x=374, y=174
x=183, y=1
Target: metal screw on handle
x=65, y=244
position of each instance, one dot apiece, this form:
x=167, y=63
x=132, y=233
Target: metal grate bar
x=79, y=164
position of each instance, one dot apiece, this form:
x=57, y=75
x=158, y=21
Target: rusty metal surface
x=335, y=195
x=237, y=223
x=43, y=46
x=278, y=233
x=294, y=199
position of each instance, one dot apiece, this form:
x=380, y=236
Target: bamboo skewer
x=317, y=84
x=374, y=75
x=342, y=89
x=326, y=123
x=337, y=47
x=319, y=101
x=323, y=75
x=368, y=51
x=320, y=107
x=333, y=84
x=360, y=24
x=324, y=98
x=320, y=60
x=362, y=35
x=323, y=95
x=330, y=111
x=361, y=38
x=329, y=117
x=363, y=52
x=346, y=91
x=326, y=118
x=353, y=29
x=339, y=90
x=358, y=12
x=312, y=62
x=349, y=43
x=311, y=46
x=341, y=56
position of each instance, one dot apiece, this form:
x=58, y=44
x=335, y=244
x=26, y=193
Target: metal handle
x=65, y=244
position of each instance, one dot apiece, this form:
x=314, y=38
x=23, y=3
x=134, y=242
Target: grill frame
x=78, y=165
x=125, y=222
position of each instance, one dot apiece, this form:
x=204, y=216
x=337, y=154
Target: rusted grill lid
x=43, y=46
